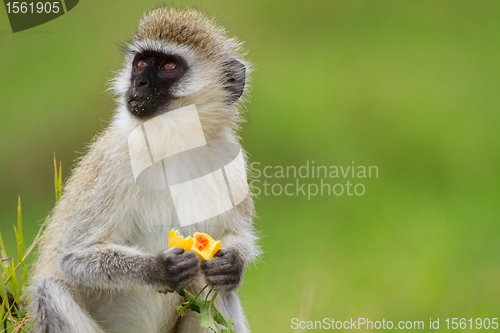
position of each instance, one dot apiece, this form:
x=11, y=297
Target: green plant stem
x=206, y=298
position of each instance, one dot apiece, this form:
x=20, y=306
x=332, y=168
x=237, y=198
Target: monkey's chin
x=142, y=110
x=145, y=111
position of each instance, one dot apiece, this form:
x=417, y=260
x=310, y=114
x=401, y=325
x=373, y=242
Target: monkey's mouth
x=145, y=106
x=136, y=103
x=142, y=106
x=137, y=100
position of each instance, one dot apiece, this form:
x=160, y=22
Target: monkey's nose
x=141, y=83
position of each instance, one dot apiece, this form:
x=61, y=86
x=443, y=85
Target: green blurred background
x=409, y=86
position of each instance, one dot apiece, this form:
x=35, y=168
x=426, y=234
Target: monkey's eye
x=169, y=65
x=142, y=63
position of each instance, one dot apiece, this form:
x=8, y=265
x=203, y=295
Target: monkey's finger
x=182, y=268
x=220, y=272
x=223, y=279
x=184, y=280
x=174, y=251
x=179, y=255
x=222, y=252
x=222, y=268
x=180, y=278
x=189, y=260
x=188, y=264
x=221, y=261
x=189, y=255
x=186, y=275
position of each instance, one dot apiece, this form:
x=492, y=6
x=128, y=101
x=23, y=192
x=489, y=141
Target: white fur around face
x=201, y=85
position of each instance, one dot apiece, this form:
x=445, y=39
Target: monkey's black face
x=153, y=76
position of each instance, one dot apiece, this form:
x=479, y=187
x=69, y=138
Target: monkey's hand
x=224, y=272
x=174, y=268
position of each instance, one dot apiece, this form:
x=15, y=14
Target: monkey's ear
x=234, y=82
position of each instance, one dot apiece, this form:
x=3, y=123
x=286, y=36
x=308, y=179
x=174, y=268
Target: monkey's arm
x=109, y=266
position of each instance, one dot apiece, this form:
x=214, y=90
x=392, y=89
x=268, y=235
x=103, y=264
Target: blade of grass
x=55, y=175
x=3, y=290
x=4, y=313
x=4, y=297
x=20, y=245
x=59, y=182
x=19, y=232
x=57, y=178
x=14, y=282
x=8, y=315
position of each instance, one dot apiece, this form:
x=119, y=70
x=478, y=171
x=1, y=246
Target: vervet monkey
x=105, y=253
